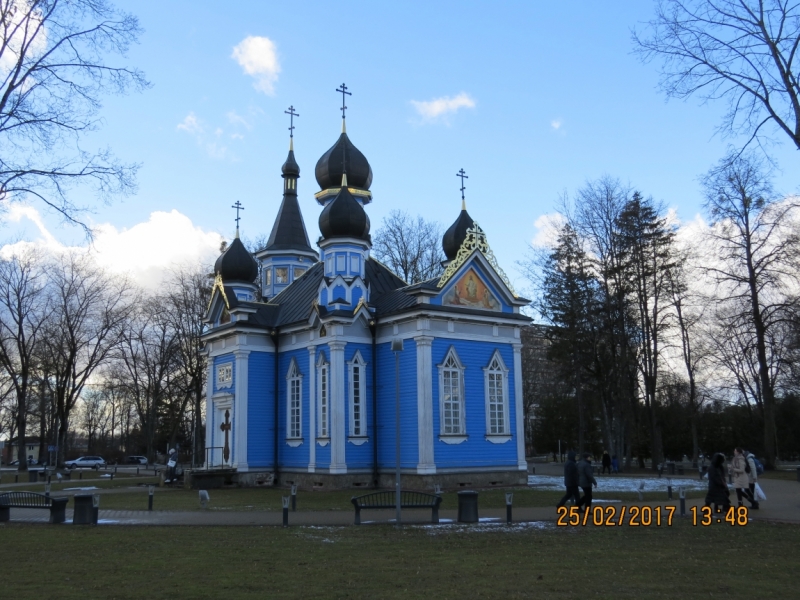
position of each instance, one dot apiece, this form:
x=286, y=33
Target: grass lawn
x=381, y=562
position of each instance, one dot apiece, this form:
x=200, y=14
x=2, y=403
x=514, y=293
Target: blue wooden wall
x=261, y=410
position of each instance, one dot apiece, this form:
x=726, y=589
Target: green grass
x=382, y=562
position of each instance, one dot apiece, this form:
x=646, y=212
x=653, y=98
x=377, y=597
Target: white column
x=240, y=409
x=209, y=411
x=312, y=408
x=337, y=400
x=426, y=462
x=520, y=417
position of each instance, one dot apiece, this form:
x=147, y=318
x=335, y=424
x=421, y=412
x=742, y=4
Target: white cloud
x=556, y=124
x=441, y=108
x=145, y=252
x=236, y=119
x=258, y=57
x=191, y=124
x=547, y=228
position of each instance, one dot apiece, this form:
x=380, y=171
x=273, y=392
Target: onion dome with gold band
x=343, y=154
x=344, y=216
x=236, y=264
x=457, y=233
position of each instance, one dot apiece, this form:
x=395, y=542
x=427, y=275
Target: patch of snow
x=620, y=484
x=497, y=526
x=80, y=489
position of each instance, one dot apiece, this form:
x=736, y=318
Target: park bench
x=407, y=500
x=9, y=500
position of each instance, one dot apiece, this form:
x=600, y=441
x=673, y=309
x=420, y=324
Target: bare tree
x=53, y=71
x=412, y=248
x=89, y=312
x=187, y=301
x=24, y=307
x=742, y=51
x=757, y=251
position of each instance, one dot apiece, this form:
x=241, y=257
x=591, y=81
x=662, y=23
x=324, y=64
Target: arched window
x=358, y=396
x=496, y=390
x=294, y=405
x=451, y=395
x=323, y=400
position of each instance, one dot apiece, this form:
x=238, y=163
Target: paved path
x=782, y=504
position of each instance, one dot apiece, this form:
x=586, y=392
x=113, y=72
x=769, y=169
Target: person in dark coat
x=570, y=481
x=586, y=480
x=718, y=492
x=606, y=462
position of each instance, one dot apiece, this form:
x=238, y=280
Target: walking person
x=741, y=481
x=718, y=492
x=586, y=480
x=606, y=462
x=614, y=464
x=752, y=476
x=570, y=481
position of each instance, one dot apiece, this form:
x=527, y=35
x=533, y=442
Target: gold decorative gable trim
x=218, y=285
x=475, y=240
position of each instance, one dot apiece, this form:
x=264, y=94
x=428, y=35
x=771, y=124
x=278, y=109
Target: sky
x=531, y=99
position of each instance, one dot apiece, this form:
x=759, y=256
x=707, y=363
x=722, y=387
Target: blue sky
x=557, y=98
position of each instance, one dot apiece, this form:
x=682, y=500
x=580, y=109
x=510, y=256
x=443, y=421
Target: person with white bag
x=741, y=481
x=752, y=477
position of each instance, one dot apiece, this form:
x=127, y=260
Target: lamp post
x=397, y=347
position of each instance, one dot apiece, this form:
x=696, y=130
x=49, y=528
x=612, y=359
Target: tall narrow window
x=496, y=389
x=294, y=394
x=358, y=402
x=323, y=403
x=451, y=395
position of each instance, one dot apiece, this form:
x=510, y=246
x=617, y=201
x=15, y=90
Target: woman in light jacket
x=740, y=479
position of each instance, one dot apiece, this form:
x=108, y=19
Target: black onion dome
x=329, y=169
x=290, y=168
x=236, y=264
x=344, y=217
x=455, y=236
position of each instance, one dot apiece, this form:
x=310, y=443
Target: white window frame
x=323, y=398
x=495, y=380
x=224, y=375
x=452, y=366
x=294, y=383
x=358, y=430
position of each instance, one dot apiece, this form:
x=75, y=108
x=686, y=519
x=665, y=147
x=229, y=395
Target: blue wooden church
x=301, y=373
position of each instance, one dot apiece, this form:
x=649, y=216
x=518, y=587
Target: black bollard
x=294, y=497
x=150, y=493
x=112, y=475
x=669, y=492
x=285, y=500
x=80, y=475
x=509, y=499
x=682, y=494
x=16, y=478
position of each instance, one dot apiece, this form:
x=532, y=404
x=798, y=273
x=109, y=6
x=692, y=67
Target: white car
x=87, y=462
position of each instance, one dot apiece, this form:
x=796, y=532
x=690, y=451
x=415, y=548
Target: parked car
x=136, y=460
x=86, y=462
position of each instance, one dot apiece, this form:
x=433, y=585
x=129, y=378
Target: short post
x=294, y=497
x=509, y=499
x=151, y=490
x=47, y=489
x=16, y=478
x=437, y=489
x=285, y=500
x=682, y=495
x=48, y=478
x=112, y=475
x=80, y=475
x=669, y=489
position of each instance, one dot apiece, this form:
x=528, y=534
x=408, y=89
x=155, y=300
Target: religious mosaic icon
x=470, y=292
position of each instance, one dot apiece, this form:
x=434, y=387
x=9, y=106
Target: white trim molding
x=239, y=459
x=495, y=390
x=294, y=405
x=312, y=413
x=338, y=437
x=323, y=399
x=522, y=464
x=452, y=418
x=357, y=397
x=426, y=464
